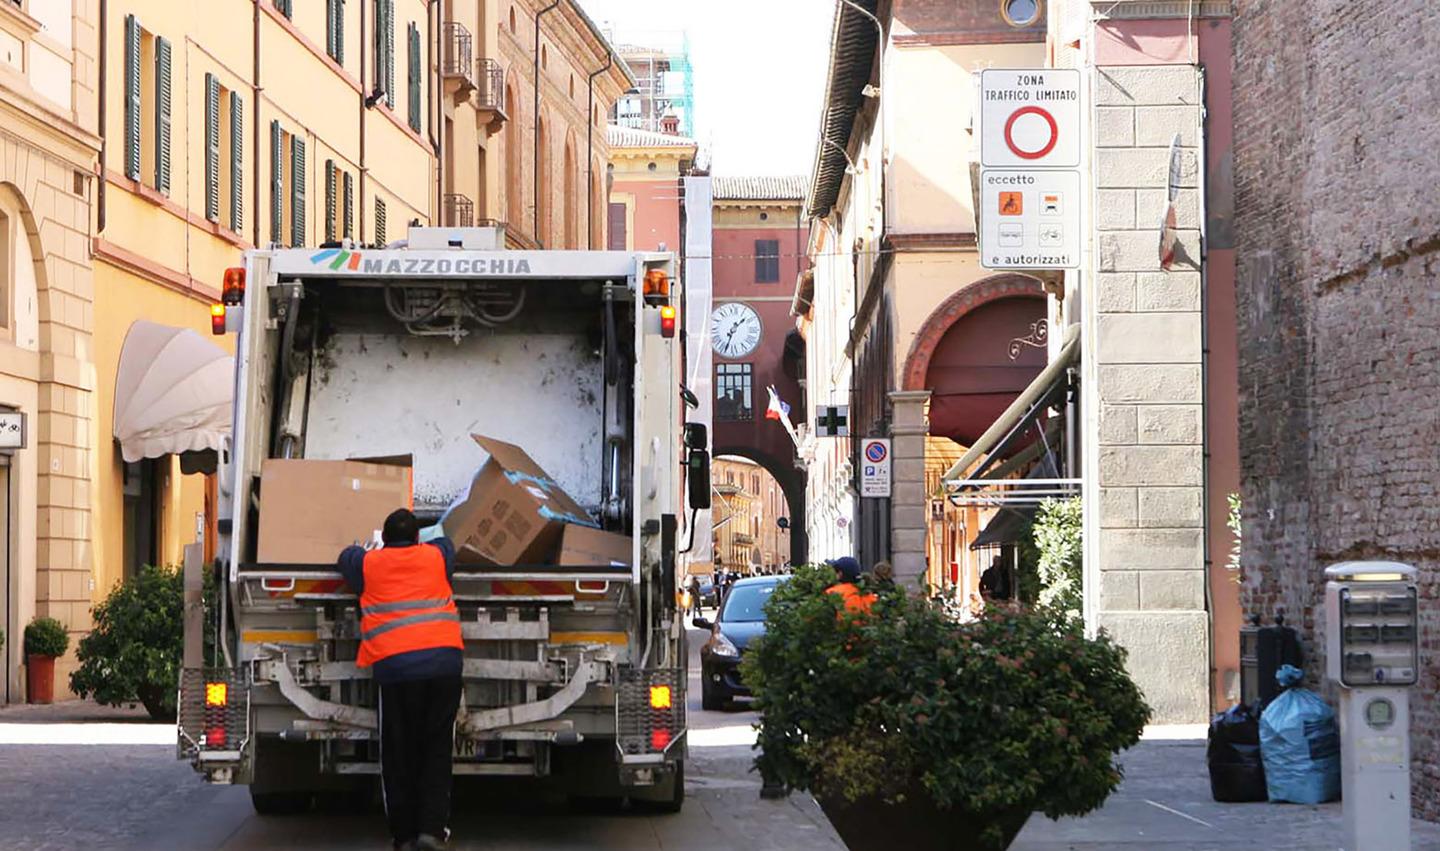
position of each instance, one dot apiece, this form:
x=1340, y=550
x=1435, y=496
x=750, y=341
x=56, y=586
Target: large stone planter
x=916, y=824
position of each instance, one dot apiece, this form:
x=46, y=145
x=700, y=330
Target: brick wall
x=1338, y=232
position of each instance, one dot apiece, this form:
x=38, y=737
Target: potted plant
x=45, y=641
x=915, y=729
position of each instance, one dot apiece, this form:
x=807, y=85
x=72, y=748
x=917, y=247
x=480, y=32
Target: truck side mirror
x=697, y=436
x=698, y=478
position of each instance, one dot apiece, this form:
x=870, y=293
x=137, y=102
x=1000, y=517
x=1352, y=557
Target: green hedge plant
x=46, y=637
x=990, y=720
x=1057, y=536
x=134, y=651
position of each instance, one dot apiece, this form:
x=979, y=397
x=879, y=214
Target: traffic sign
x=1030, y=219
x=1030, y=118
x=875, y=467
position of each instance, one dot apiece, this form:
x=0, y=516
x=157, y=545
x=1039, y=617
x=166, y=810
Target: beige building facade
x=48, y=150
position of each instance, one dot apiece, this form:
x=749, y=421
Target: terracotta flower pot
x=40, y=679
x=916, y=823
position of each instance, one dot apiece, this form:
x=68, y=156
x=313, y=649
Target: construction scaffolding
x=664, y=95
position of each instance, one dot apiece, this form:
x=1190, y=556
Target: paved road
x=122, y=788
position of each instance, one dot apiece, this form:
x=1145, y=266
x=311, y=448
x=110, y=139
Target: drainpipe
x=538, y=15
x=590, y=150
x=259, y=145
x=432, y=18
x=104, y=136
x=364, y=111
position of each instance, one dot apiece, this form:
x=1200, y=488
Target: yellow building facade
x=48, y=149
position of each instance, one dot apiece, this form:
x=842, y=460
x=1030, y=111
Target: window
x=147, y=106
x=224, y=155
x=384, y=49
x=767, y=261
x=335, y=30
x=287, y=170
x=512, y=20
x=413, y=78
x=1020, y=13
x=618, y=221
x=733, y=402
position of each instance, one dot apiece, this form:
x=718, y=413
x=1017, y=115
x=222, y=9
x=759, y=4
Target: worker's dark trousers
x=417, y=729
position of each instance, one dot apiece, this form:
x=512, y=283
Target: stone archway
x=791, y=481
x=961, y=302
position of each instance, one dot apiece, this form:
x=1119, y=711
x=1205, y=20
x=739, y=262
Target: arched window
x=514, y=159
x=572, y=202
x=512, y=20
x=543, y=211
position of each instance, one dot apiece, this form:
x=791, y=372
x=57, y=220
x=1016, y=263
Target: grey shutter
x=414, y=39
x=277, y=181
x=285, y=7
x=297, y=192
x=212, y=148
x=389, y=35
x=132, y=97
x=329, y=200
x=162, y=115
x=335, y=30
x=330, y=28
x=347, y=189
x=380, y=223
x=237, y=162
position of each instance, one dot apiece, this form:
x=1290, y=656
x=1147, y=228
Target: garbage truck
x=393, y=374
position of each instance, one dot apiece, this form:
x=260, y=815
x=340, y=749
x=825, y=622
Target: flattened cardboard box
x=311, y=510
x=514, y=513
x=582, y=546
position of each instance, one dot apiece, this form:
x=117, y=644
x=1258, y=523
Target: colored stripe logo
x=337, y=257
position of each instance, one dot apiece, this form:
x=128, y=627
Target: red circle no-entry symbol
x=1053, y=137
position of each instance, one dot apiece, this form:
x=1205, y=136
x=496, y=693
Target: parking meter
x=1372, y=632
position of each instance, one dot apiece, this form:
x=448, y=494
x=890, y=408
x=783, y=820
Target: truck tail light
x=217, y=319
x=233, y=290
x=667, y=321
x=657, y=284
x=650, y=711
x=659, y=697
x=213, y=712
x=217, y=694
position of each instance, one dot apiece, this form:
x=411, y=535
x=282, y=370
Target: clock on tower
x=734, y=330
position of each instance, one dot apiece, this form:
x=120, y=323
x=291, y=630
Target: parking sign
x=875, y=467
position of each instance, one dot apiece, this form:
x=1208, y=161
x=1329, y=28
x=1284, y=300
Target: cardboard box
x=311, y=510
x=514, y=512
x=581, y=546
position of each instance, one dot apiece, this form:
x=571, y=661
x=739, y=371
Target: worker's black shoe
x=426, y=842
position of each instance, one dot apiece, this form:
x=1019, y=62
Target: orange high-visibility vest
x=407, y=604
x=855, y=602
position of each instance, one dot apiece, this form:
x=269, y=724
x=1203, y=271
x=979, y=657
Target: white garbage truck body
x=574, y=673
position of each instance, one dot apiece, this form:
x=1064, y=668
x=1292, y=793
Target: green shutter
x=389, y=34
x=335, y=30
x=414, y=38
x=380, y=222
x=285, y=7
x=237, y=162
x=132, y=97
x=277, y=181
x=162, y=115
x=297, y=192
x=347, y=189
x=330, y=28
x=212, y=148
x=329, y=200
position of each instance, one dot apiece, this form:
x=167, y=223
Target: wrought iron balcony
x=490, y=86
x=459, y=211
x=459, y=53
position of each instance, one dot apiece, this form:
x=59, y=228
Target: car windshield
x=746, y=603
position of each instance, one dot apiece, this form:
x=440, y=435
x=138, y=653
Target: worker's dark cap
x=401, y=527
x=847, y=566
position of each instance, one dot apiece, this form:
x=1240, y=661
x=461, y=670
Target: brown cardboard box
x=311, y=510
x=514, y=513
x=581, y=546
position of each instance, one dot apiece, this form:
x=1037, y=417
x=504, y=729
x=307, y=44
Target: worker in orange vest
x=847, y=573
x=410, y=636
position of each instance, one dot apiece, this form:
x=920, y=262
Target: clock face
x=734, y=330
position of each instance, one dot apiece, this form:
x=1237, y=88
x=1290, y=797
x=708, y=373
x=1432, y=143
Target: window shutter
x=414, y=34
x=285, y=6
x=162, y=115
x=380, y=239
x=237, y=162
x=277, y=182
x=347, y=189
x=297, y=192
x=329, y=200
x=132, y=97
x=335, y=30
x=330, y=28
x=212, y=148
x=389, y=34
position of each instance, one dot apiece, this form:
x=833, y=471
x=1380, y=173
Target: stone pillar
x=1147, y=369
x=909, y=503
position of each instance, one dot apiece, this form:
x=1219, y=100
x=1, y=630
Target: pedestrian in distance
x=693, y=588
x=995, y=581
x=410, y=637
x=883, y=574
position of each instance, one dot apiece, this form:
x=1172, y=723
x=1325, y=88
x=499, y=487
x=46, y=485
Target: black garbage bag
x=1237, y=773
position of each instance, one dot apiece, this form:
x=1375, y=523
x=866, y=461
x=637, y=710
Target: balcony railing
x=459, y=211
x=459, y=52
x=489, y=85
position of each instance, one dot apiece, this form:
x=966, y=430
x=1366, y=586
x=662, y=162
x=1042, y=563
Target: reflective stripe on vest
x=407, y=604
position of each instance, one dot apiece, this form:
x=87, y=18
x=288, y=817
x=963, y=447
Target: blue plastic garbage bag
x=1300, y=744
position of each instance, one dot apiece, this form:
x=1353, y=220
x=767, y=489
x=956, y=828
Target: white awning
x=173, y=393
